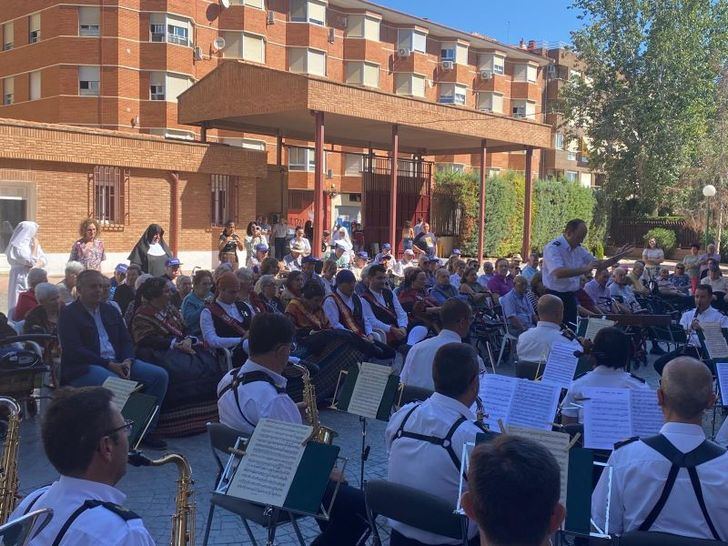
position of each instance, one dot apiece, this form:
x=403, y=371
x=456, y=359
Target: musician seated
x=225, y=322
x=648, y=493
x=433, y=433
x=514, y=489
x=455, y=317
x=690, y=322
x=265, y=296
x=517, y=310
x=386, y=309
x=534, y=345
x=610, y=354
x=86, y=440
x=307, y=312
x=257, y=390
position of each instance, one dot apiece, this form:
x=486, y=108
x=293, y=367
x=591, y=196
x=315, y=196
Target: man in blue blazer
x=96, y=345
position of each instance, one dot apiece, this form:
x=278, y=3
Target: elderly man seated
x=639, y=278
x=621, y=290
x=443, y=290
x=517, y=310
x=598, y=291
x=292, y=260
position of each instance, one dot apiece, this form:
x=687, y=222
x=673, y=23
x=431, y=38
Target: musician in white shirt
x=641, y=472
x=534, y=345
x=691, y=320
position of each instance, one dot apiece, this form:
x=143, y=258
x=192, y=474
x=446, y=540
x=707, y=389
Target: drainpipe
x=174, y=227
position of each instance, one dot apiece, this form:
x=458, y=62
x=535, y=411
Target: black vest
x=222, y=329
x=380, y=313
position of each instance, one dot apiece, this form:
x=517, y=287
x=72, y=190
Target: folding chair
x=19, y=531
x=410, y=393
x=507, y=338
x=223, y=437
x=412, y=507
x=645, y=538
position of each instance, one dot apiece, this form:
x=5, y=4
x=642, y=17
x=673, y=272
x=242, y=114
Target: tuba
x=320, y=434
x=183, y=520
x=9, y=465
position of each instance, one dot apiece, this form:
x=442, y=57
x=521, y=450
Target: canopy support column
x=527, y=204
x=481, y=217
x=318, y=188
x=393, y=190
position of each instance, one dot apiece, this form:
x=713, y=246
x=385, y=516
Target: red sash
x=161, y=319
x=376, y=306
x=219, y=312
x=346, y=317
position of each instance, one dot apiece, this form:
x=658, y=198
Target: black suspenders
x=707, y=451
x=126, y=515
x=244, y=379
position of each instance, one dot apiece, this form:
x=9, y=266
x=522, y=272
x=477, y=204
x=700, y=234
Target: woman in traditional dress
x=151, y=252
x=23, y=253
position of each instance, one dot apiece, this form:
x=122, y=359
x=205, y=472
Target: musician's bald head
x=686, y=390
x=550, y=309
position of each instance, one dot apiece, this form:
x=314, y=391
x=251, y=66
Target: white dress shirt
x=557, y=254
x=599, y=294
x=107, y=351
x=711, y=314
x=534, y=345
x=258, y=400
x=434, y=471
x=94, y=526
x=331, y=310
x=638, y=477
x=402, y=319
x=207, y=326
x=601, y=376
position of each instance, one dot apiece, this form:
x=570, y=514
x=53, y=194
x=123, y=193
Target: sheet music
x=122, y=389
x=561, y=365
x=270, y=463
x=533, y=405
x=607, y=418
x=369, y=389
x=594, y=325
x=647, y=417
x=715, y=343
x=557, y=443
x=496, y=392
x=722, y=370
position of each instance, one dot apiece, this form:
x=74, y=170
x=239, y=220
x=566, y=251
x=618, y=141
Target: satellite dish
x=219, y=43
x=225, y=4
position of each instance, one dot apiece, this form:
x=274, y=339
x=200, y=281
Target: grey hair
x=45, y=291
x=245, y=275
x=178, y=281
x=264, y=281
x=140, y=280
x=74, y=267
x=37, y=276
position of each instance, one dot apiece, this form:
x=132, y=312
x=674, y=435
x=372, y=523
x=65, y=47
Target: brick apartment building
x=121, y=64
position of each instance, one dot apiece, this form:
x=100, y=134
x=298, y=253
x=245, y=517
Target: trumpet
x=183, y=520
x=320, y=434
x=9, y=468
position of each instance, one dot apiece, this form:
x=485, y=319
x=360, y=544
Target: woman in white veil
x=341, y=234
x=23, y=253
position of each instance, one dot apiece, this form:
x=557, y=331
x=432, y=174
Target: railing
x=632, y=230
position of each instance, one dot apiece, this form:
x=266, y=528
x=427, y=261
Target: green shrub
x=666, y=240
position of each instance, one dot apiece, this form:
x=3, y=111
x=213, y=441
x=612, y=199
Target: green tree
x=651, y=71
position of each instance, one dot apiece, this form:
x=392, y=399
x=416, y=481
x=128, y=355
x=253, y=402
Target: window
x=156, y=86
x=239, y=45
x=411, y=85
x=307, y=61
x=362, y=73
x=308, y=11
x=450, y=168
x=173, y=134
x=35, y=85
x=88, y=21
x=493, y=62
x=585, y=179
x=8, y=36
x=524, y=109
x=455, y=52
x=109, y=184
x=252, y=3
x=223, y=199
x=525, y=73
x=175, y=85
x=363, y=26
x=559, y=141
x=571, y=176
x=493, y=172
x=301, y=159
x=570, y=155
x=247, y=143
x=490, y=102
x=169, y=28
x=447, y=53
x=452, y=93
x=353, y=164
x=414, y=40
x=177, y=34
x=34, y=28
x=8, y=91
x=88, y=80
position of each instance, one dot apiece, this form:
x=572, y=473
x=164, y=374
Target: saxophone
x=480, y=414
x=321, y=434
x=183, y=520
x=9, y=468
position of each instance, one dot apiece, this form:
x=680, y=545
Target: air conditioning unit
x=270, y=19
x=447, y=65
x=332, y=36
x=197, y=53
x=404, y=52
x=486, y=75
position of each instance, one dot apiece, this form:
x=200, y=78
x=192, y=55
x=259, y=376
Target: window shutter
x=297, y=60
x=316, y=63
x=233, y=45
x=88, y=15
x=253, y=48
x=371, y=75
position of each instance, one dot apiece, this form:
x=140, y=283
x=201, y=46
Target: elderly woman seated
x=67, y=287
x=160, y=337
x=27, y=299
x=226, y=320
x=247, y=279
x=422, y=312
x=293, y=286
x=43, y=319
x=265, y=298
x=195, y=301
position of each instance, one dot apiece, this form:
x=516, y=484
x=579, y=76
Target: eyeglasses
x=127, y=426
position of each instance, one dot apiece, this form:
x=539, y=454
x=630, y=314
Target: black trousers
x=398, y=539
x=570, y=305
x=348, y=519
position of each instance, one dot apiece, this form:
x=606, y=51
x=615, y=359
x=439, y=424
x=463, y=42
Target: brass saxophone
x=183, y=519
x=9, y=468
x=480, y=414
x=321, y=434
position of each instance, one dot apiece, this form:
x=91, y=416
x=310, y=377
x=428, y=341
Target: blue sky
x=541, y=20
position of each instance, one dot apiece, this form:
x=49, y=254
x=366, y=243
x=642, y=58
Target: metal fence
x=633, y=230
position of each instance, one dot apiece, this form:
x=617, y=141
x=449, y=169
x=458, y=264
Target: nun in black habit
x=151, y=251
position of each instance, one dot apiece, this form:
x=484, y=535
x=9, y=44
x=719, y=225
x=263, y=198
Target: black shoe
x=657, y=350
x=154, y=443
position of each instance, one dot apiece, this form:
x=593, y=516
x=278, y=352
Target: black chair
x=412, y=507
x=19, y=531
x=410, y=393
x=222, y=438
x=644, y=538
x=528, y=370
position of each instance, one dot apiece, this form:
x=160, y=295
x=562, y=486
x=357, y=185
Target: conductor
x=565, y=260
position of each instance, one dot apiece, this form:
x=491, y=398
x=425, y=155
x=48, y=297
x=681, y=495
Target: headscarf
x=341, y=234
x=139, y=253
x=19, y=249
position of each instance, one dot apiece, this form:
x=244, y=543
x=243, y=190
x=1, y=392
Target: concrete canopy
x=252, y=98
